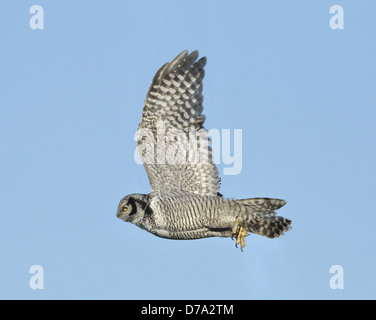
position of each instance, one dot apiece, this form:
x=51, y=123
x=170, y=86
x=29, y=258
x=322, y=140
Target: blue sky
x=71, y=99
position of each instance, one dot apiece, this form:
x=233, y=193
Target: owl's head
x=132, y=207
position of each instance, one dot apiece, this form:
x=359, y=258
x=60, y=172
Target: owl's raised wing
x=171, y=139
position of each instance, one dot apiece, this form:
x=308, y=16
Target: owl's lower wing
x=171, y=139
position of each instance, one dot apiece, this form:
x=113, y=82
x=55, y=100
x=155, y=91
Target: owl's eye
x=125, y=209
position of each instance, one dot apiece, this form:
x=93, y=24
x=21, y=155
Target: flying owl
x=184, y=202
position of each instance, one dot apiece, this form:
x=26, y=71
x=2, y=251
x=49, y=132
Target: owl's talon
x=239, y=232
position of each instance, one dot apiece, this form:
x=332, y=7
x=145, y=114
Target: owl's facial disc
x=132, y=207
x=124, y=210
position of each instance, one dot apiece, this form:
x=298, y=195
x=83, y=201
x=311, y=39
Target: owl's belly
x=183, y=235
x=186, y=217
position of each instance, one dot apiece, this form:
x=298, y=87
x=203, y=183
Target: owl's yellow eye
x=125, y=209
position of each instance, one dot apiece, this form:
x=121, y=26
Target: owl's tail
x=262, y=218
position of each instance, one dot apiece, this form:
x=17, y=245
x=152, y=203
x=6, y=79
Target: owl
x=173, y=144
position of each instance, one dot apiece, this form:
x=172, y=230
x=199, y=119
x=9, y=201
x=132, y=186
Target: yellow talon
x=239, y=232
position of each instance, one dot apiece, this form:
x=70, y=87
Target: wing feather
x=172, y=141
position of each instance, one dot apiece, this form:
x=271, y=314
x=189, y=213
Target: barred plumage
x=184, y=202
